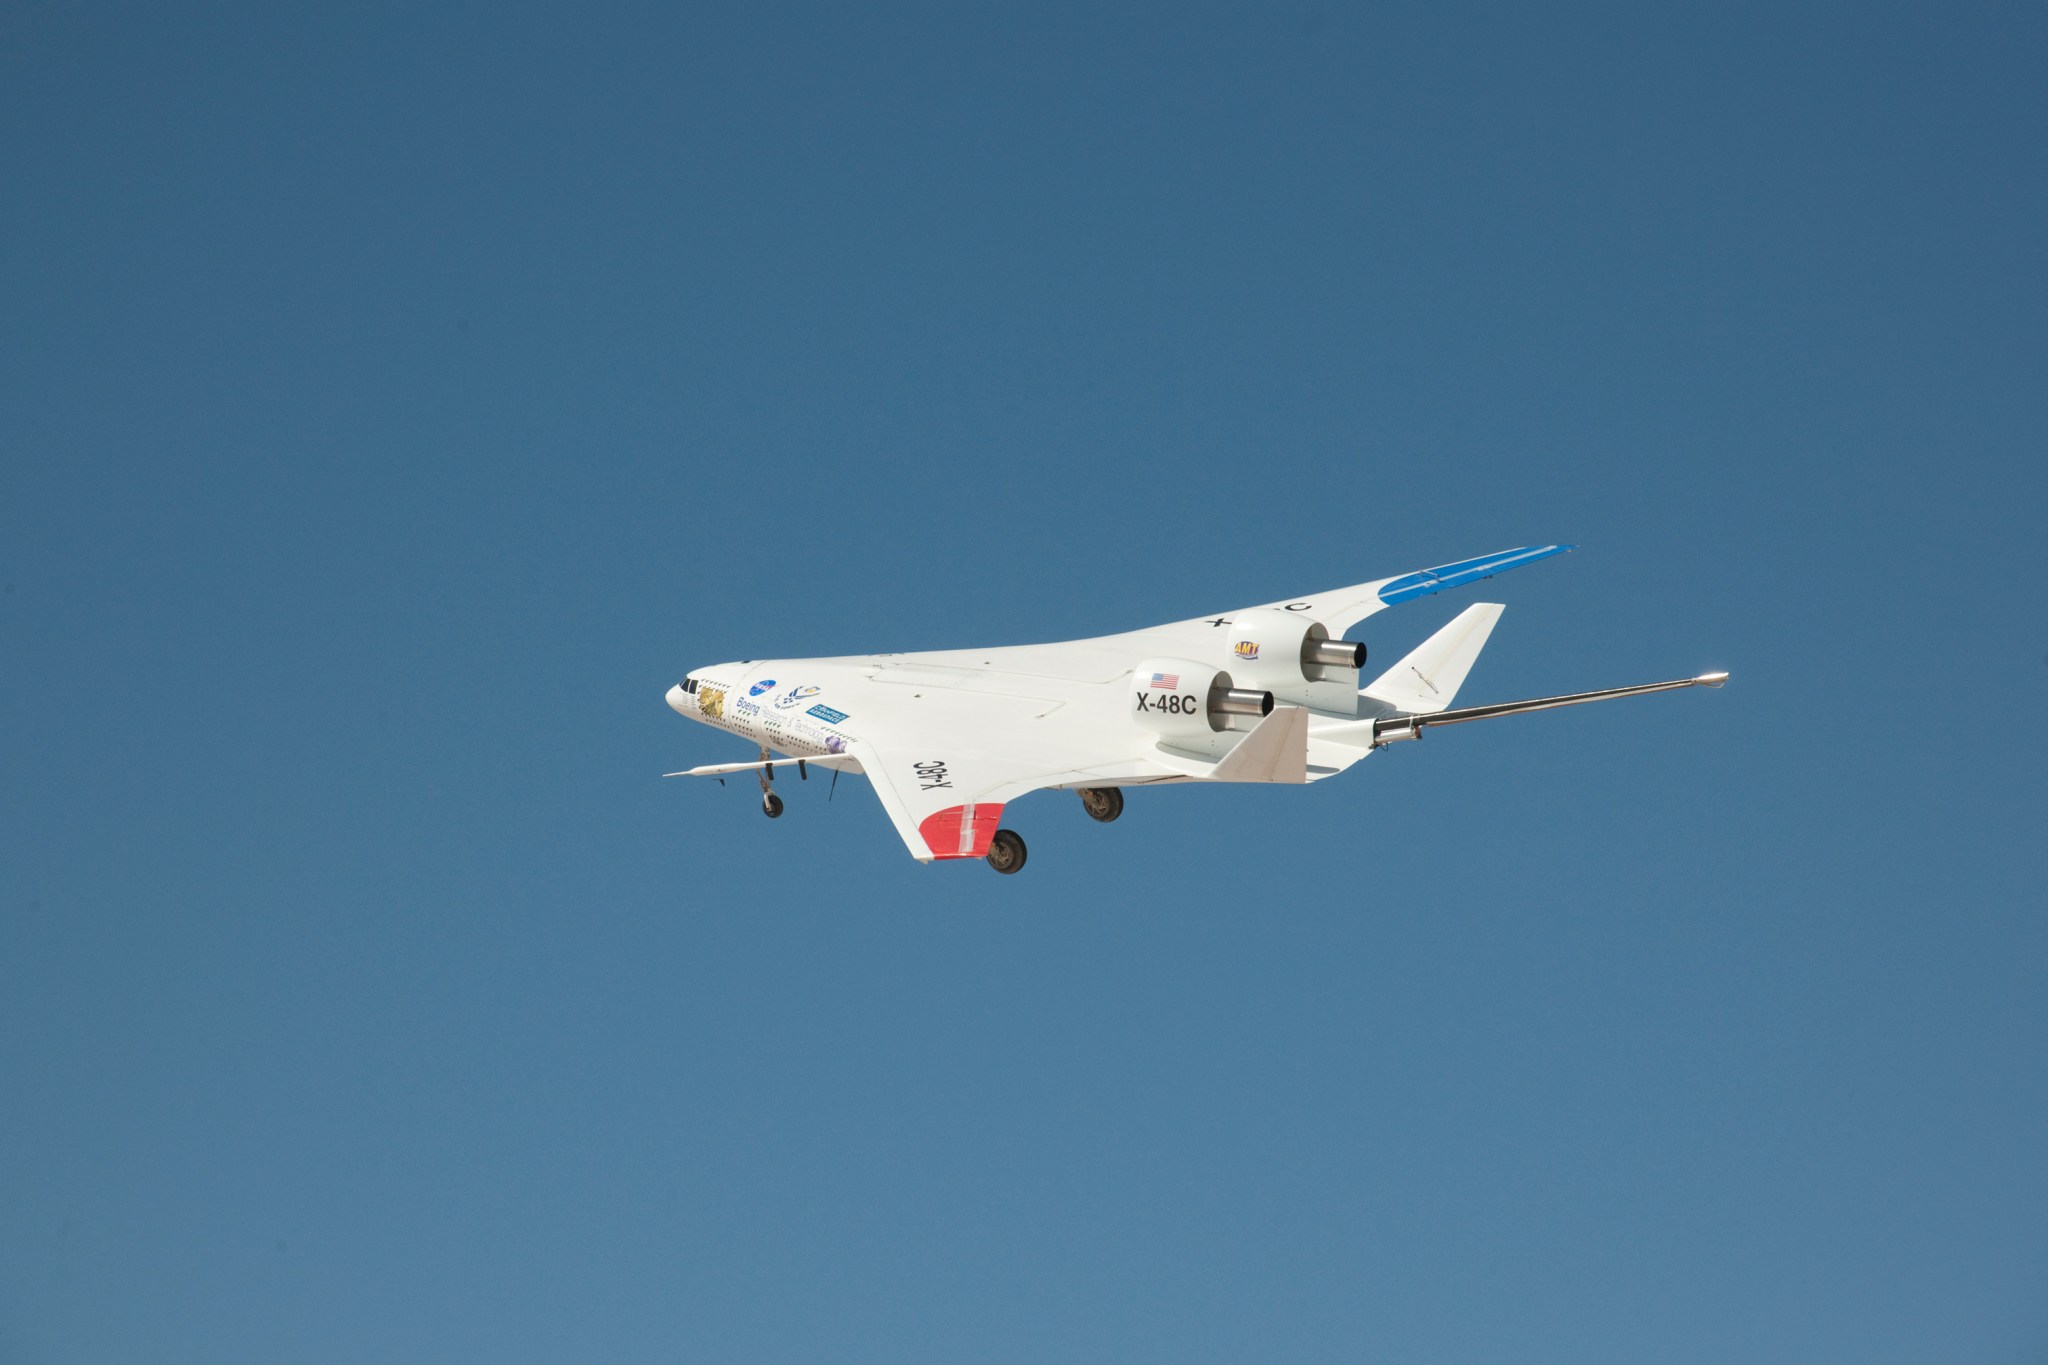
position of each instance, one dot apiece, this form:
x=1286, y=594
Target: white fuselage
x=776, y=704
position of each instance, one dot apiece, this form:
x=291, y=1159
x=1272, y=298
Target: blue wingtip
x=1411, y=586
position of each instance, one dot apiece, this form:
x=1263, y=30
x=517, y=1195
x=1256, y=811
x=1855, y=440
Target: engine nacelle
x=1295, y=659
x=1189, y=704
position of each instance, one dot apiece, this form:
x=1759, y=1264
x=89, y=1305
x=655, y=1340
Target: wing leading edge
x=1341, y=608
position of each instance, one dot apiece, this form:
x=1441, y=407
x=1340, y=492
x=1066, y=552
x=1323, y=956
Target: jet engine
x=1295, y=659
x=1188, y=705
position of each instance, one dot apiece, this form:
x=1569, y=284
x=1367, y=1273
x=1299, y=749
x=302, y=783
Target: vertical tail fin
x=1430, y=677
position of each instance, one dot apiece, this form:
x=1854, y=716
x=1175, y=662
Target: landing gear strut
x=1006, y=851
x=771, y=804
x=1102, y=803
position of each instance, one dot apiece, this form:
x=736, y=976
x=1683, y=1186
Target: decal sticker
x=711, y=701
x=745, y=707
x=1246, y=650
x=762, y=686
x=1172, y=704
x=834, y=744
x=826, y=714
x=932, y=774
x=1297, y=606
x=796, y=696
x=1169, y=681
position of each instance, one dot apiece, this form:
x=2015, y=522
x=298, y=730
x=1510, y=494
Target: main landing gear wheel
x=771, y=805
x=1102, y=803
x=1006, y=851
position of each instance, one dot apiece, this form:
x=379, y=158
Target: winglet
x=1408, y=587
x=1429, y=678
x=1275, y=751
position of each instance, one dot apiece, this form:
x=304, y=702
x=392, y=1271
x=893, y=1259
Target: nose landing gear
x=771, y=804
x=1102, y=803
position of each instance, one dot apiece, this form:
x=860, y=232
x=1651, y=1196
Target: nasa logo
x=762, y=686
x=1247, y=650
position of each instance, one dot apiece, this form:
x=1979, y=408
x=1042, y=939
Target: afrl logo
x=796, y=696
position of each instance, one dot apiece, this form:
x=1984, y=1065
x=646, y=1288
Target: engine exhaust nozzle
x=1332, y=653
x=1241, y=701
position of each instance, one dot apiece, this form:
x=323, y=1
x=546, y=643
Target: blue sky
x=396, y=401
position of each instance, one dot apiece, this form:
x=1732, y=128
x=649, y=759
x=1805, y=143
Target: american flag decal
x=1167, y=681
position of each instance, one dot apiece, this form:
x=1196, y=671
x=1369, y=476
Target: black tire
x=1102, y=803
x=1006, y=852
x=771, y=806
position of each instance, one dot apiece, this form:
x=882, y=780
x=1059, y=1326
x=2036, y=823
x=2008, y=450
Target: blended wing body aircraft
x=1262, y=694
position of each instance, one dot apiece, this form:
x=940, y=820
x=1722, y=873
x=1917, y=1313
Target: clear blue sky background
x=395, y=400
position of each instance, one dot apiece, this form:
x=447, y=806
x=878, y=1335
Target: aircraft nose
x=678, y=699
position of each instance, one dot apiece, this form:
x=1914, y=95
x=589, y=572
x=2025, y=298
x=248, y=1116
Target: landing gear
x=1006, y=851
x=771, y=804
x=1102, y=803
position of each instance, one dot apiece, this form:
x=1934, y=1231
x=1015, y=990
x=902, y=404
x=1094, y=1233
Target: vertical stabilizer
x=1430, y=677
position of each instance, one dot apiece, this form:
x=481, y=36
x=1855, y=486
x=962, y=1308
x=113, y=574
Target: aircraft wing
x=1104, y=658
x=946, y=797
x=1341, y=608
x=943, y=807
x=944, y=761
